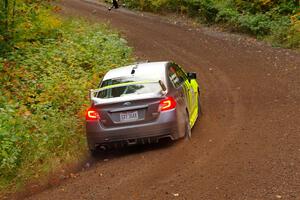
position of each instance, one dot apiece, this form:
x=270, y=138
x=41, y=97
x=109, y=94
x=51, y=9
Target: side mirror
x=191, y=75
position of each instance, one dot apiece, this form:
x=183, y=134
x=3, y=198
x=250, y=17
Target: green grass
x=43, y=95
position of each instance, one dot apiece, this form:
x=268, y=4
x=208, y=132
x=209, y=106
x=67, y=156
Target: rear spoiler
x=92, y=92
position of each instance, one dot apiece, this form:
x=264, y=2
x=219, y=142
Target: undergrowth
x=44, y=86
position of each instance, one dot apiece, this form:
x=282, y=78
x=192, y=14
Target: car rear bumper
x=165, y=126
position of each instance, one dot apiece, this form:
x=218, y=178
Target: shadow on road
x=129, y=150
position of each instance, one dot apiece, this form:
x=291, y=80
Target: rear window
x=116, y=81
x=132, y=89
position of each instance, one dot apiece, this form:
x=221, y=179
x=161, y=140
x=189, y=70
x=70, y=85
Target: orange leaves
x=6, y=65
x=265, y=2
x=56, y=9
x=295, y=20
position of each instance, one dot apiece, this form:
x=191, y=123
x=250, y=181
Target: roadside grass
x=277, y=22
x=44, y=93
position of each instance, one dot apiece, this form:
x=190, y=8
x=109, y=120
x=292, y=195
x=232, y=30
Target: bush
x=286, y=32
x=259, y=24
x=207, y=11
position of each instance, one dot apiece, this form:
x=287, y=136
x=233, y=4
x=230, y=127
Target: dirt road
x=247, y=144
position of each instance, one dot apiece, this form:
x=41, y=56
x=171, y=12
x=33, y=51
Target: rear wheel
x=94, y=152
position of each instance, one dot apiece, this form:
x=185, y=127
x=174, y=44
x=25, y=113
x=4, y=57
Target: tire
x=97, y=151
x=188, y=130
x=200, y=113
x=94, y=152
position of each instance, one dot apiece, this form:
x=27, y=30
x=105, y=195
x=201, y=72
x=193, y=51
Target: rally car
x=142, y=103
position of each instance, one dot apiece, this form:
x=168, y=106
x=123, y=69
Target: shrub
x=259, y=24
x=207, y=10
x=228, y=16
x=286, y=32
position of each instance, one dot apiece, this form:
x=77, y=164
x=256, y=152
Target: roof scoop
x=133, y=69
x=163, y=87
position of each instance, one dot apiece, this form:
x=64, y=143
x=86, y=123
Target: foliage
x=278, y=21
x=43, y=94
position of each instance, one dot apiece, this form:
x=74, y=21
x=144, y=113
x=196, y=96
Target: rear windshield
x=132, y=89
x=116, y=81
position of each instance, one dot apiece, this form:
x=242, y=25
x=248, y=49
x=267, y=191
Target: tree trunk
x=6, y=13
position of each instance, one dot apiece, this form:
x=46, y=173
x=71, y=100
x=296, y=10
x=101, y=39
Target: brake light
x=167, y=104
x=92, y=114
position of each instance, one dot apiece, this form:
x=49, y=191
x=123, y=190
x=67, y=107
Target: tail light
x=168, y=103
x=92, y=114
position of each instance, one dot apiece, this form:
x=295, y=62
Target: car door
x=182, y=85
x=188, y=89
x=179, y=89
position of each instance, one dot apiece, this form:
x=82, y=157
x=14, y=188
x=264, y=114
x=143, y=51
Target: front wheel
x=199, y=106
x=188, y=130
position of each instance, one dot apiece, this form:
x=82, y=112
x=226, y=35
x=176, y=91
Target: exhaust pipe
x=103, y=148
x=132, y=141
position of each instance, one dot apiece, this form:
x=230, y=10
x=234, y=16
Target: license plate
x=129, y=116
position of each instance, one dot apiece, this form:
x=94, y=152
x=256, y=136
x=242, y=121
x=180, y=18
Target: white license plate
x=129, y=116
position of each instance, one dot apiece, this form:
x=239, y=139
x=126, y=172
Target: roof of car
x=152, y=70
